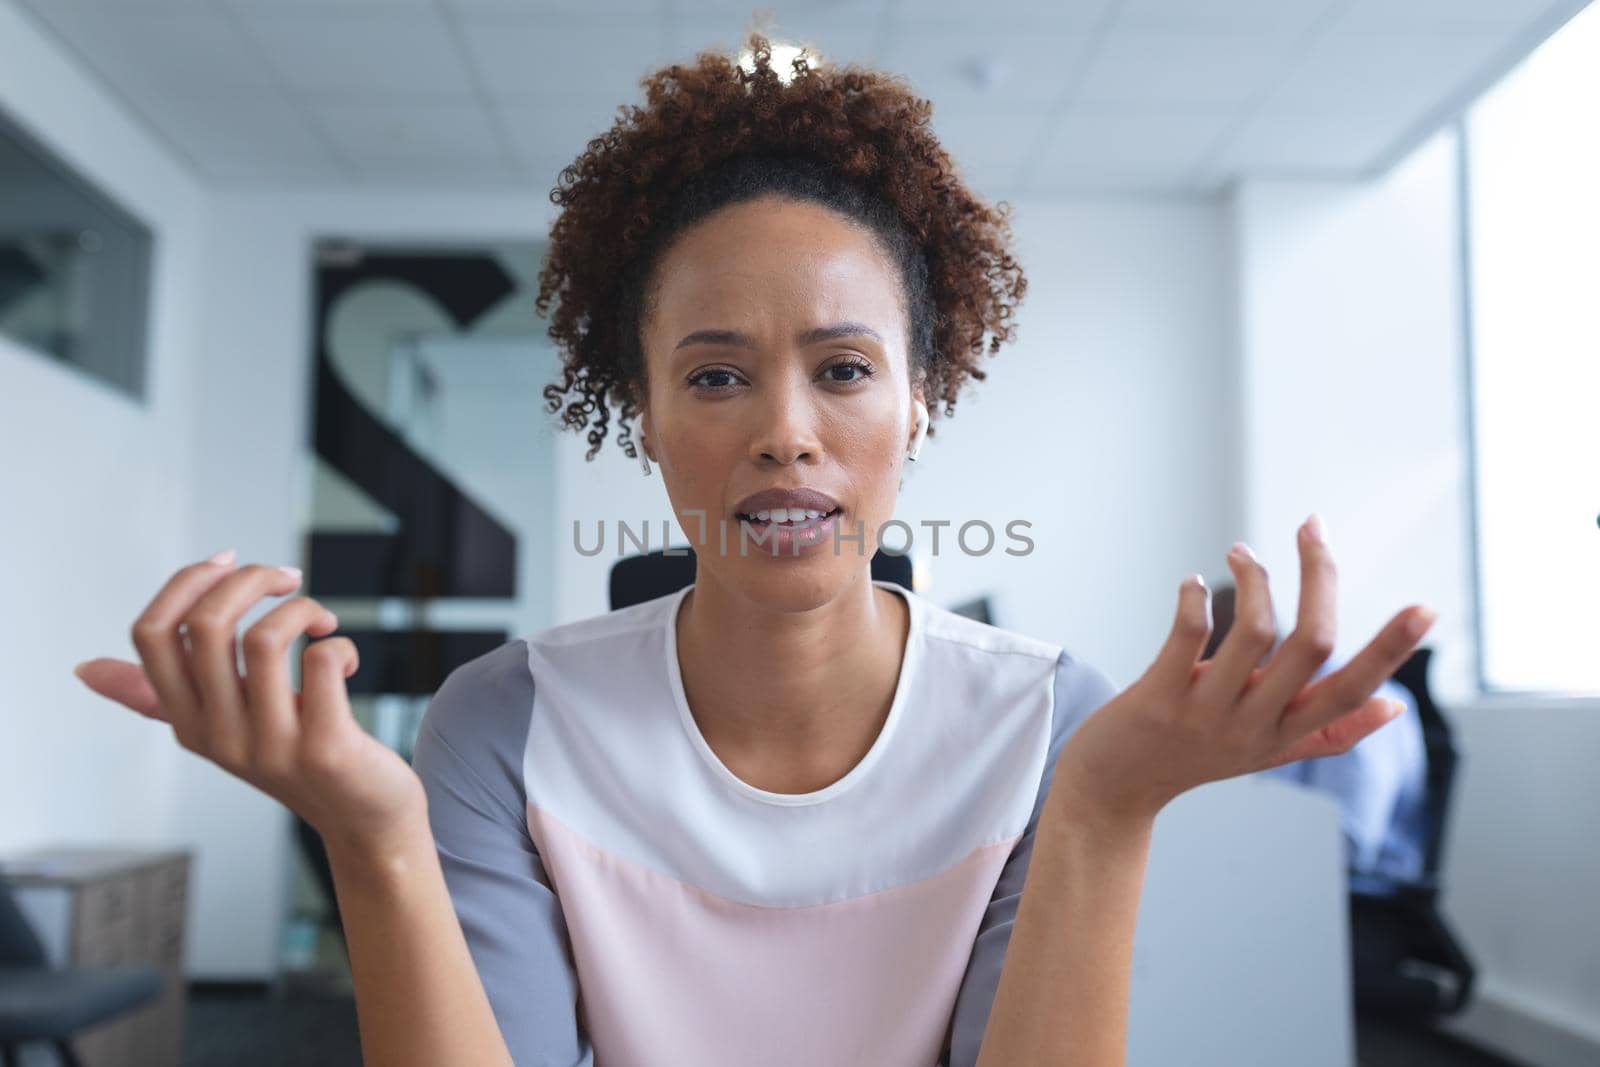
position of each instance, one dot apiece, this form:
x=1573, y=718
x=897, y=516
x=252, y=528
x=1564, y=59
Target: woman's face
x=740, y=400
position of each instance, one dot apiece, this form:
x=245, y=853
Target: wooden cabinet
x=106, y=907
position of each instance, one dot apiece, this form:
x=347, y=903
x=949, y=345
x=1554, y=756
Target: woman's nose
x=786, y=430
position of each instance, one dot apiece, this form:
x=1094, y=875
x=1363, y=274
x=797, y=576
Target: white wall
x=1350, y=369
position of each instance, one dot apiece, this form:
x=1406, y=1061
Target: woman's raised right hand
x=304, y=749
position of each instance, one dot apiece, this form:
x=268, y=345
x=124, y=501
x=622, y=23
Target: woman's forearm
x=419, y=1000
x=1063, y=992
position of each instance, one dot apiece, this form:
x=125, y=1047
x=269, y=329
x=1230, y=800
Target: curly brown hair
x=714, y=133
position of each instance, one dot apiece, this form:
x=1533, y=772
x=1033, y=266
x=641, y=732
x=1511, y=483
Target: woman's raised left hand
x=1187, y=721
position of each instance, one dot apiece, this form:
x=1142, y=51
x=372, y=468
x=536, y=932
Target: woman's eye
x=856, y=369
x=722, y=377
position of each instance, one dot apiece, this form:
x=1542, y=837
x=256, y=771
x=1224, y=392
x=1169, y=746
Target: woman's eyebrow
x=809, y=337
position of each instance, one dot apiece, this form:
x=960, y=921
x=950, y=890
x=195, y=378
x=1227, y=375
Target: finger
x=1249, y=638
x=1312, y=641
x=161, y=647
x=1343, y=733
x=1340, y=692
x=324, y=701
x=124, y=682
x=270, y=716
x=1174, y=664
x=213, y=624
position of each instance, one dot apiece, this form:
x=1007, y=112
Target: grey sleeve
x=469, y=756
x=1080, y=690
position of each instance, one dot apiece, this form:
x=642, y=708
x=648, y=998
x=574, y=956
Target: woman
x=788, y=814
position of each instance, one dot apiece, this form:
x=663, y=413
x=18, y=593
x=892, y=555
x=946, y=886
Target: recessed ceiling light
x=782, y=56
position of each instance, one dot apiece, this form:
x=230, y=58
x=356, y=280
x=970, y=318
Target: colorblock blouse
x=628, y=900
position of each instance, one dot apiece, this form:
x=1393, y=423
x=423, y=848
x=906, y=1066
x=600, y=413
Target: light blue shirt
x=1380, y=785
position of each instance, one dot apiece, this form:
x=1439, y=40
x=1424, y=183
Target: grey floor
x=1380, y=1043
x=246, y=1029
x=306, y=1028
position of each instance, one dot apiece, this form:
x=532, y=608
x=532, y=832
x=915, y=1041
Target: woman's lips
x=786, y=537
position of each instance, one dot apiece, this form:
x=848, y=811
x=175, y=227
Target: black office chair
x=1407, y=961
x=43, y=1003
x=636, y=579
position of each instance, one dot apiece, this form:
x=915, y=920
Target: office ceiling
x=1037, y=98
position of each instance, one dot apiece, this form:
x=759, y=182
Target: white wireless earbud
x=644, y=457
x=922, y=430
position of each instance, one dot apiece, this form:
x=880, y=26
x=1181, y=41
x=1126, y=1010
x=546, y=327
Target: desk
x=99, y=907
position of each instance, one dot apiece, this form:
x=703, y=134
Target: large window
x=1532, y=213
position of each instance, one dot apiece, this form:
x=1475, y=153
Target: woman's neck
x=790, y=701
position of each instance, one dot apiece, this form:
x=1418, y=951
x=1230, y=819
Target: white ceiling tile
x=170, y=50
x=944, y=64
x=274, y=175
x=557, y=128
x=404, y=53
x=838, y=39
x=990, y=148
x=1445, y=14
x=522, y=57
x=1154, y=150
x=1178, y=90
x=1332, y=144
x=1289, y=16
x=845, y=29
x=845, y=10
x=991, y=181
x=545, y=7
x=1392, y=74
x=555, y=131
x=303, y=5
x=436, y=172
x=134, y=6
x=1198, y=68
x=419, y=131
x=242, y=134
x=248, y=6
x=1001, y=14
x=990, y=140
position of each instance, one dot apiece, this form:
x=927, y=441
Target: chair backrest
x=1442, y=756
x=636, y=579
x=19, y=945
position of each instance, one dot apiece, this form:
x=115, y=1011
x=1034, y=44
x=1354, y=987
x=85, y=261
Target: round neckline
x=908, y=659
